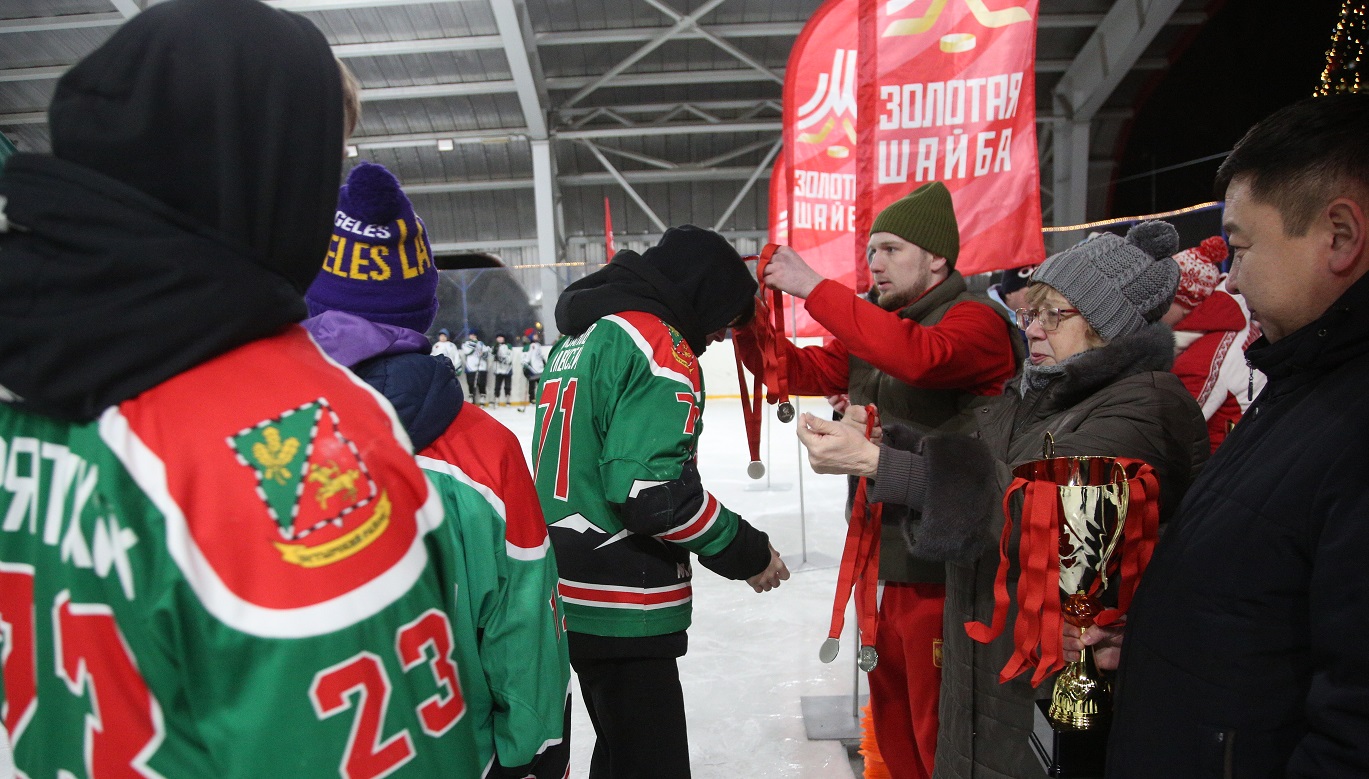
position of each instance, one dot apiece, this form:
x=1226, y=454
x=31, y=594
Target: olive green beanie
x=926, y=218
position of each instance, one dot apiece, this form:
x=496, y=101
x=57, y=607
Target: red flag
x=609, y=248
x=948, y=93
x=819, y=147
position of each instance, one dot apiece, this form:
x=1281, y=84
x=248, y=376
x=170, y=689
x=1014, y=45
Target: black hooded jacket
x=697, y=283
x=693, y=280
x=1244, y=653
x=176, y=218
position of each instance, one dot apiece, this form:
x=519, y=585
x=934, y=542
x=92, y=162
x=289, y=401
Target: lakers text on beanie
x=1118, y=284
x=379, y=264
x=1199, y=271
x=926, y=217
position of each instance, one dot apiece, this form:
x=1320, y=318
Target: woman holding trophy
x=1097, y=419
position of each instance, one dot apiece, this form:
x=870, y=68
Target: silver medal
x=785, y=412
x=867, y=659
x=829, y=650
x=756, y=469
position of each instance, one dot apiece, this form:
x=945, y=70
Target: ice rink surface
x=753, y=657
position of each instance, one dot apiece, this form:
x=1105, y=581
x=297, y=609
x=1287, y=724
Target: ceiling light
x=445, y=144
x=352, y=150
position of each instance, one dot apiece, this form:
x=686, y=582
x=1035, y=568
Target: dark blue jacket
x=395, y=361
x=1247, y=652
x=422, y=388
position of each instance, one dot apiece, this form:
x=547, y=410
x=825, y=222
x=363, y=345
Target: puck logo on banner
x=947, y=93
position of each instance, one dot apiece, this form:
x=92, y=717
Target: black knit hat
x=1016, y=278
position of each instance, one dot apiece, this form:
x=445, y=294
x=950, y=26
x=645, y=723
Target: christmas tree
x=1342, y=73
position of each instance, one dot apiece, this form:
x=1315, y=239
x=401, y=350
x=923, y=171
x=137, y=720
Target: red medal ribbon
x=986, y=633
x=751, y=409
x=776, y=361
x=774, y=373
x=860, y=560
x=1138, y=537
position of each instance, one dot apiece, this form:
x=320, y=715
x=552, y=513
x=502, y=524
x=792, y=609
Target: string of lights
x=1342, y=73
x=1125, y=219
x=1058, y=229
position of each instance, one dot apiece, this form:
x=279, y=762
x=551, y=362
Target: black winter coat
x=1247, y=652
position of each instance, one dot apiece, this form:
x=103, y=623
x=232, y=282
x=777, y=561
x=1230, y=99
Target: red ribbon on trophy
x=859, y=569
x=1047, y=547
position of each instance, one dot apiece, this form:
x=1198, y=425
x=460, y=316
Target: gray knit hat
x=1118, y=284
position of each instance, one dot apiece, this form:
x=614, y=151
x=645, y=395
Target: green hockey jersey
x=508, y=574
x=619, y=413
x=241, y=572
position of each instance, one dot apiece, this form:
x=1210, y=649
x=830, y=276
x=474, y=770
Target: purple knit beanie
x=379, y=264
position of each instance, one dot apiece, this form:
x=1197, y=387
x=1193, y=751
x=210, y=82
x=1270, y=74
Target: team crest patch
x=314, y=485
x=679, y=348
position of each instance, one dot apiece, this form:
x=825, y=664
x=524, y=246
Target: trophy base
x=1072, y=754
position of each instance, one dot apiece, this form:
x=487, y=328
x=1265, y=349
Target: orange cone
x=869, y=748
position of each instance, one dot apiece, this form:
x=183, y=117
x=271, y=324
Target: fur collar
x=1149, y=349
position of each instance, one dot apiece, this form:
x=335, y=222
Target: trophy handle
x=1124, y=494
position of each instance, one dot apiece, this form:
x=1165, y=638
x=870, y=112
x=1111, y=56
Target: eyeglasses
x=1048, y=317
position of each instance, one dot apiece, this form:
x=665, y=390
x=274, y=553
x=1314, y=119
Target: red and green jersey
x=620, y=411
x=239, y=573
x=509, y=577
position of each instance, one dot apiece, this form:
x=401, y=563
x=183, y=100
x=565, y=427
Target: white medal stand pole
x=767, y=485
x=768, y=458
x=769, y=461
x=803, y=509
x=810, y=561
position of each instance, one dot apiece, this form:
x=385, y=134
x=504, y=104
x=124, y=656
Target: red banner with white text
x=947, y=92
x=820, y=148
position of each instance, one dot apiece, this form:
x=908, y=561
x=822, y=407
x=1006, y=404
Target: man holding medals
x=922, y=352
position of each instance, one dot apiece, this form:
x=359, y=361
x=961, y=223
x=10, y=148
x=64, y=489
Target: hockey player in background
x=476, y=354
x=615, y=441
x=503, y=370
x=445, y=348
x=534, y=360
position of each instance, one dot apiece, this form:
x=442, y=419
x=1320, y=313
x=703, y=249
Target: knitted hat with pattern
x=1016, y=278
x=379, y=264
x=1118, y=284
x=1199, y=271
x=925, y=218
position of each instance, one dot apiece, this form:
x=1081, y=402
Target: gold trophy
x=1093, y=492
